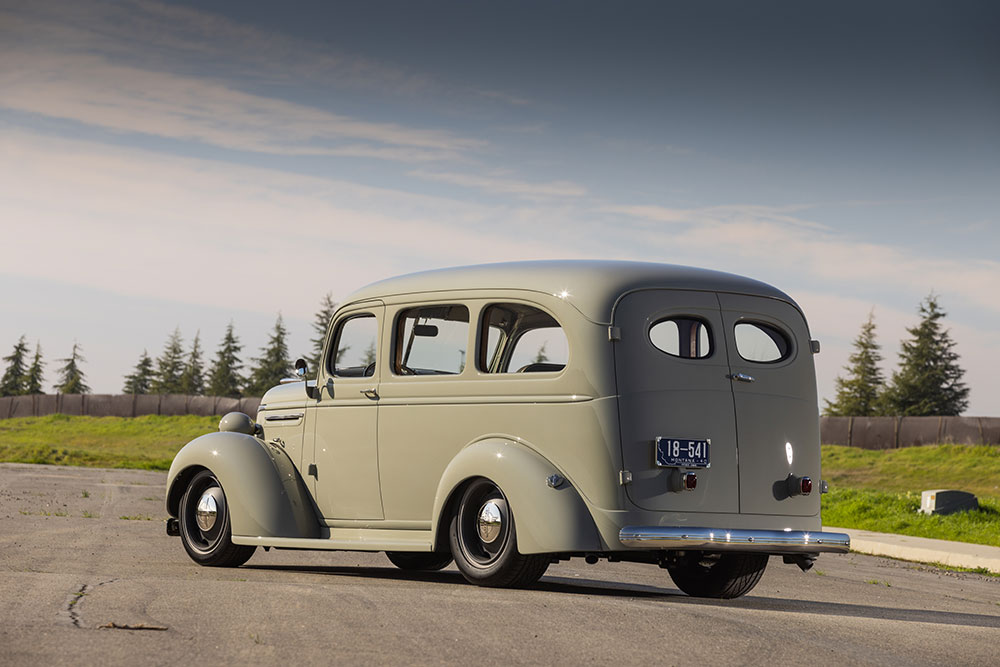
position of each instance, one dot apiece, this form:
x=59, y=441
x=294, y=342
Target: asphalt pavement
x=88, y=576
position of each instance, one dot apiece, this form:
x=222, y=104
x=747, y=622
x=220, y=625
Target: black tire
x=724, y=576
x=211, y=546
x=428, y=562
x=490, y=557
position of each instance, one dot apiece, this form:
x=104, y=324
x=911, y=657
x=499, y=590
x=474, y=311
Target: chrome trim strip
x=724, y=539
x=284, y=418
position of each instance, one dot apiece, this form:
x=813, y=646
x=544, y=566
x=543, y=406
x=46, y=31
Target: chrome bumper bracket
x=722, y=539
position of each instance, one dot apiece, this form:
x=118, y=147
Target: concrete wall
x=123, y=405
x=894, y=432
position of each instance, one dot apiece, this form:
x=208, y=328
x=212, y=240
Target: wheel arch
x=264, y=491
x=548, y=520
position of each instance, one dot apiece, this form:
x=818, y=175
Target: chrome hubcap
x=207, y=511
x=490, y=522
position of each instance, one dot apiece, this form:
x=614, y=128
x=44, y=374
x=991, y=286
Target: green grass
x=879, y=490
x=148, y=442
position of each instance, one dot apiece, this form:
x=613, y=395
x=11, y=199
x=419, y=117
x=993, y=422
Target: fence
x=123, y=405
x=895, y=432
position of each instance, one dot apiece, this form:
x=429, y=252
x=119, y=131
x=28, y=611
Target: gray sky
x=188, y=164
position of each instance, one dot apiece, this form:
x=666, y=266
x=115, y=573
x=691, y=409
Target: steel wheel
x=204, y=524
x=484, y=540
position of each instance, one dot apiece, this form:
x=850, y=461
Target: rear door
x=672, y=371
x=774, y=389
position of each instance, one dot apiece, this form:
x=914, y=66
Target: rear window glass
x=760, y=342
x=517, y=338
x=686, y=337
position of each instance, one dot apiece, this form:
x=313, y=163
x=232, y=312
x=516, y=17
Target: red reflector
x=690, y=481
x=807, y=486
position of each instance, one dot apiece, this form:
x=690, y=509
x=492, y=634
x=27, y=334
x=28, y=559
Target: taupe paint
x=435, y=432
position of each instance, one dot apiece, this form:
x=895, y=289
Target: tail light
x=690, y=481
x=806, y=486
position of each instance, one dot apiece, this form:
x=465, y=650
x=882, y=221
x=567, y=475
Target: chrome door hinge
x=614, y=333
x=625, y=477
x=312, y=470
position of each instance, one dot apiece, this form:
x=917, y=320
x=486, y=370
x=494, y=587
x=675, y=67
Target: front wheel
x=204, y=524
x=726, y=576
x=484, y=540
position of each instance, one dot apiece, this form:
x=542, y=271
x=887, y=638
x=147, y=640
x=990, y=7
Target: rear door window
x=762, y=343
x=680, y=336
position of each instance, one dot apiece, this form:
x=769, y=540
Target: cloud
x=506, y=186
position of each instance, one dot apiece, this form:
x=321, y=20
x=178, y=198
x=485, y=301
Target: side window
x=760, y=342
x=354, y=355
x=685, y=337
x=516, y=338
x=431, y=340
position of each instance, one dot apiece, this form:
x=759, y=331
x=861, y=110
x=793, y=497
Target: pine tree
x=15, y=378
x=273, y=363
x=224, y=378
x=541, y=357
x=327, y=308
x=193, y=378
x=170, y=366
x=71, y=379
x=140, y=380
x=34, y=384
x=858, y=395
x=929, y=379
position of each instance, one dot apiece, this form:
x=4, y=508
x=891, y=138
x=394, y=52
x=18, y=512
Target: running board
x=349, y=539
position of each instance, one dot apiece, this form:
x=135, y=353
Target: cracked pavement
x=88, y=575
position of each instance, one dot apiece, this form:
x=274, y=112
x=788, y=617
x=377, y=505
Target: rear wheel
x=204, y=524
x=727, y=575
x=406, y=560
x=484, y=540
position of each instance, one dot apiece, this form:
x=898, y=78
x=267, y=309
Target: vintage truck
x=509, y=416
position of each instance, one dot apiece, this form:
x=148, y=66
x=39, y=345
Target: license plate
x=682, y=453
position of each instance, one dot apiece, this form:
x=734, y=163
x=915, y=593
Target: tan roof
x=592, y=286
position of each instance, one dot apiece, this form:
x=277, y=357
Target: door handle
x=370, y=393
x=741, y=377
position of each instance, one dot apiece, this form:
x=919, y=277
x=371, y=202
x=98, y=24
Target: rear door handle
x=370, y=393
x=741, y=377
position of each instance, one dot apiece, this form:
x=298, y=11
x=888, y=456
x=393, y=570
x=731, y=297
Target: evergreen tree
x=224, y=377
x=929, y=379
x=541, y=357
x=71, y=379
x=140, y=380
x=15, y=378
x=193, y=377
x=858, y=395
x=34, y=384
x=273, y=363
x=327, y=308
x=170, y=366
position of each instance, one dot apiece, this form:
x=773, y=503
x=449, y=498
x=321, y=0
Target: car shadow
x=592, y=587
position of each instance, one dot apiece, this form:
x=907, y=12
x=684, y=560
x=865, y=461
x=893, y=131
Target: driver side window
x=355, y=352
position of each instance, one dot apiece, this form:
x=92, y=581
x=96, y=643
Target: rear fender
x=264, y=491
x=548, y=520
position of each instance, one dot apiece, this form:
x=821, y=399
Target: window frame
x=712, y=345
x=338, y=334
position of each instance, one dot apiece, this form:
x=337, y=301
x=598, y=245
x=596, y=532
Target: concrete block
x=835, y=430
x=249, y=405
x=71, y=404
x=173, y=404
x=874, y=432
x=917, y=431
x=201, y=405
x=23, y=406
x=961, y=431
x=45, y=404
x=147, y=404
x=947, y=501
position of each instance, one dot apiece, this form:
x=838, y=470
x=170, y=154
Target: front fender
x=264, y=492
x=547, y=520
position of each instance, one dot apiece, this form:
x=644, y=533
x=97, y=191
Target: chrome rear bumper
x=721, y=539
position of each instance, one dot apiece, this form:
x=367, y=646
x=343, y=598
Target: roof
x=592, y=286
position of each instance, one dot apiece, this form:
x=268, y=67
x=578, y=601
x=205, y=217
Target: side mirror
x=301, y=373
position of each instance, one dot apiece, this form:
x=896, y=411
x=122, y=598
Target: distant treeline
x=177, y=370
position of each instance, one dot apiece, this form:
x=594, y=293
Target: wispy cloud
x=505, y=186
